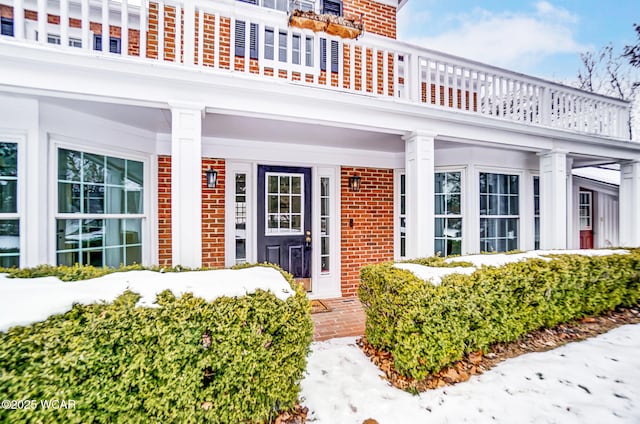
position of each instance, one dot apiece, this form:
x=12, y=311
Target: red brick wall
x=370, y=239
x=164, y=210
x=213, y=216
x=378, y=18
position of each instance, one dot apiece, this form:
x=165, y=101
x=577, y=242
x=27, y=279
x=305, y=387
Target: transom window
x=285, y=198
x=9, y=221
x=499, y=212
x=448, y=213
x=100, y=209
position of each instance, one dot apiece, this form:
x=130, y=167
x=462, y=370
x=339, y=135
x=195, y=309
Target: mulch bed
x=296, y=416
x=477, y=362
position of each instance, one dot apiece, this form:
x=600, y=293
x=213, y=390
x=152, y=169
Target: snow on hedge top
x=435, y=274
x=500, y=259
x=24, y=301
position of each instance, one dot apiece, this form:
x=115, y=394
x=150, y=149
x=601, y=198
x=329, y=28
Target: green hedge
x=232, y=360
x=428, y=327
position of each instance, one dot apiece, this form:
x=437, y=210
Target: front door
x=586, y=219
x=284, y=219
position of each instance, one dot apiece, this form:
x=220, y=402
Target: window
x=536, y=212
x=9, y=220
x=241, y=42
x=282, y=5
x=241, y=218
x=332, y=7
x=6, y=27
x=276, y=4
x=325, y=218
x=282, y=46
x=448, y=213
x=308, y=50
x=499, y=212
x=284, y=203
x=55, y=39
x=403, y=216
x=585, y=210
x=114, y=43
x=295, y=49
x=100, y=209
x=334, y=55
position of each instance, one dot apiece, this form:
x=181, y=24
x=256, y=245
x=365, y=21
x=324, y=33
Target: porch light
x=354, y=183
x=212, y=178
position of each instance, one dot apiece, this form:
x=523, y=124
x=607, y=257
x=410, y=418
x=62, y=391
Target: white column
x=573, y=237
x=419, y=169
x=186, y=184
x=553, y=200
x=630, y=204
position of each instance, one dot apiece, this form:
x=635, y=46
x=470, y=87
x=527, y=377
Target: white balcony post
x=629, y=204
x=412, y=80
x=553, y=200
x=189, y=32
x=186, y=184
x=419, y=169
x=18, y=19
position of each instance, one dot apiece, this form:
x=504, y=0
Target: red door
x=586, y=219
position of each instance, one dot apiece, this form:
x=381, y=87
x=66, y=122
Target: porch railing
x=232, y=36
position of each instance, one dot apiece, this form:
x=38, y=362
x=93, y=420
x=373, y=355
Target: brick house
x=209, y=133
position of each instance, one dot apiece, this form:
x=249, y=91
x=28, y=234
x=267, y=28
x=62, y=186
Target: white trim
x=149, y=217
x=397, y=174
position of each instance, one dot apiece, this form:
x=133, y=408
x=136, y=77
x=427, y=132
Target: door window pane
x=284, y=197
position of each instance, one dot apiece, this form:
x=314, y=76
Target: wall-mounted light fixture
x=354, y=183
x=212, y=178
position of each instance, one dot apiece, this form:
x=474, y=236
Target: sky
x=543, y=38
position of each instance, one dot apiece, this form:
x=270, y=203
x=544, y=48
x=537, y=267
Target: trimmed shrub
x=428, y=327
x=79, y=272
x=231, y=360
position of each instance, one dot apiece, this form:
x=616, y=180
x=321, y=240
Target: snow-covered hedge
x=237, y=358
x=428, y=326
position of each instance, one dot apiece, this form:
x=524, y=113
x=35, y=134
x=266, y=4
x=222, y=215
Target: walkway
x=345, y=318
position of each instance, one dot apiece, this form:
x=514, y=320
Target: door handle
x=307, y=240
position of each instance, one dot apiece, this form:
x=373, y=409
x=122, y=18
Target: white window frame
x=590, y=204
x=148, y=218
x=463, y=203
x=21, y=192
x=522, y=236
x=266, y=204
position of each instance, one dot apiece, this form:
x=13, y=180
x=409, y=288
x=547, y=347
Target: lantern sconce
x=354, y=183
x=212, y=178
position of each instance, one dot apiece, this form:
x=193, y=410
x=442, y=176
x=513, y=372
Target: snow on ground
x=27, y=300
x=593, y=381
x=434, y=274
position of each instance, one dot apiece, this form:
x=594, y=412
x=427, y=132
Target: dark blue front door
x=284, y=218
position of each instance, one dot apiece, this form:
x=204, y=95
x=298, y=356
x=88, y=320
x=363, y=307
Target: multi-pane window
x=114, y=43
x=295, y=49
x=283, y=5
x=325, y=218
x=241, y=218
x=308, y=50
x=536, y=212
x=332, y=7
x=282, y=46
x=499, y=212
x=448, y=213
x=9, y=221
x=284, y=203
x=403, y=216
x=55, y=39
x=100, y=209
x=585, y=207
x=6, y=27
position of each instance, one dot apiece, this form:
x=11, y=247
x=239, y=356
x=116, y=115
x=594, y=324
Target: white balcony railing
x=221, y=35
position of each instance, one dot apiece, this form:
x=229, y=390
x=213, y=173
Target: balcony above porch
x=233, y=38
